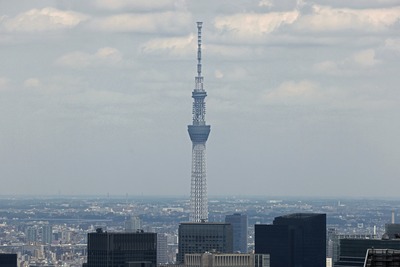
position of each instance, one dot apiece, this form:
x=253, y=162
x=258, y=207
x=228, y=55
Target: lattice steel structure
x=198, y=133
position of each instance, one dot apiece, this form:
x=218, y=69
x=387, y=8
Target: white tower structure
x=199, y=132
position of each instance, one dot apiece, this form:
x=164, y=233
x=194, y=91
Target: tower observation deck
x=198, y=133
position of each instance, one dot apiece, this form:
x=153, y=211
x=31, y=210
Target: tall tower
x=199, y=132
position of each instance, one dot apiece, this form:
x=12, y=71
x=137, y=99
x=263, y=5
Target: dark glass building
x=122, y=249
x=204, y=237
x=293, y=240
x=352, y=251
x=239, y=226
x=8, y=260
x=382, y=258
x=392, y=230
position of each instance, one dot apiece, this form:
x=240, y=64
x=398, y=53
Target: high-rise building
x=352, y=251
x=162, y=249
x=31, y=233
x=47, y=234
x=293, y=240
x=133, y=224
x=8, y=260
x=392, y=230
x=198, y=133
x=382, y=258
x=239, y=226
x=121, y=249
x=203, y=237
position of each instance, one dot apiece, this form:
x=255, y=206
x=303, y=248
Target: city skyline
x=94, y=95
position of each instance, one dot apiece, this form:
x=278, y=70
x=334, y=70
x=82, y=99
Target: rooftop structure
x=226, y=260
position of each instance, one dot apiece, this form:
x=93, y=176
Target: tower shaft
x=198, y=133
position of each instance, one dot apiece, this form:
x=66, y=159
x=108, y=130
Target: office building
x=133, y=224
x=239, y=226
x=352, y=251
x=226, y=260
x=198, y=133
x=382, y=258
x=293, y=240
x=31, y=233
x=121, y=249
x=204, y=237
x=47, y=234
x=162, y=249
x=8, y=260
x=392, y=230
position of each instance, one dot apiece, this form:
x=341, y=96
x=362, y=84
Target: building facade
x=133, y=224
x=239, y=225
x=297, y=239
x=47, y=234
x=352, y=251
x=226, y=260
x=8, y=260
x=382, y=258
x=121, y=249
x=204, y=237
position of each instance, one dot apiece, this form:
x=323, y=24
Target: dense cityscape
x=25, y=221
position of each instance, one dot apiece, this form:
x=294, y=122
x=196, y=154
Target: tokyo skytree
x=198, y=133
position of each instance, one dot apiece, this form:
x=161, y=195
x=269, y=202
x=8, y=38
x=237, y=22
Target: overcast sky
x=303, y=96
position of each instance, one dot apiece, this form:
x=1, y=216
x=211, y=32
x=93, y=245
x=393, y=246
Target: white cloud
x=167, y=22
x=392, y=44
x=359, y=61
x=39, y=20
x=291, y=92
x=253, y=24
x=139, y=4
x=32, y=83
x=324, y=18
x=106, y=56
x=218, y=74
x=365, y=58
x=266, y=3
x=3, y=83
x=177, y=46
x=305, y=18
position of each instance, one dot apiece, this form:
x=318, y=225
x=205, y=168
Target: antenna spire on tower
x=199, y=26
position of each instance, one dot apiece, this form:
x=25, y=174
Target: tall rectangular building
x=47, y=234
x=204, y=237
x=162, y=249
x=121, y=249
x=293, y=240
x=239, y=225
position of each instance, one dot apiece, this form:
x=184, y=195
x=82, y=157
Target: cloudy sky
x=303, y=96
